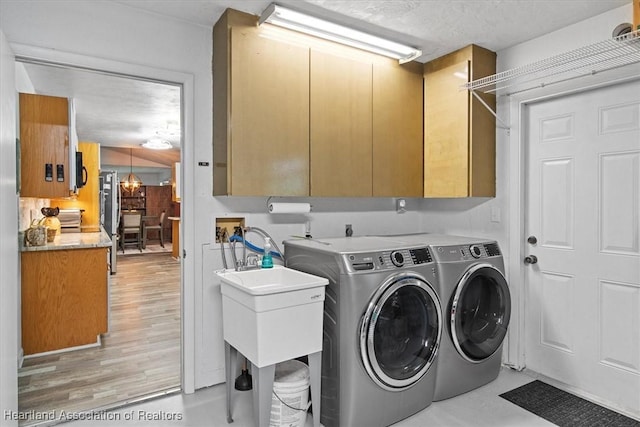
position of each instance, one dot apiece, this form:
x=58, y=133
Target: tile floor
x=207, y=407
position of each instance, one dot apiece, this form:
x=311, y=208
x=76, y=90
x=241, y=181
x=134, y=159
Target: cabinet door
x=44, y=139
x=446, y=123
x=269, y=152
x=341, y=127
x=397, y=130
x=64, y=298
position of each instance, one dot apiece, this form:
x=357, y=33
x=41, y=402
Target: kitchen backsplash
x=30, y=210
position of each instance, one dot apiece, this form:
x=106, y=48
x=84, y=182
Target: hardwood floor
x=139, y=356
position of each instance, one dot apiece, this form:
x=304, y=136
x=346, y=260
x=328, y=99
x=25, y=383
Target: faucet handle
x=252, y=261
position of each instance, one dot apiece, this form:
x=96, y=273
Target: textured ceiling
x=436, y=26
x=119, y=112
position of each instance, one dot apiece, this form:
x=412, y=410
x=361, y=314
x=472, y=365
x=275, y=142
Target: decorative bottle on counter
x=52, y=222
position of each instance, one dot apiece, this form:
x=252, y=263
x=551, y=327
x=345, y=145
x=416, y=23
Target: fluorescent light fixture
x=157, y=144
x=287, y=18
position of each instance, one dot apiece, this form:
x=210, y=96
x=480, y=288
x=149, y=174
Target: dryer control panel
x=466, y=252
x=389, y=260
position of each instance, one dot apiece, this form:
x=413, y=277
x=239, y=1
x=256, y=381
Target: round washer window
x=400, y=332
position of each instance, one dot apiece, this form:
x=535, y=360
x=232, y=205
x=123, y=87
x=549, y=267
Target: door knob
x=532, y=240
x=531, y=259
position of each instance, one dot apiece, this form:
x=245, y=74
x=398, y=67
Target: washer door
x=400, y=332
x=480, y=312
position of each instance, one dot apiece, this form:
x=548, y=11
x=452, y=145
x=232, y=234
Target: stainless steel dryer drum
x=382, y=327
x=476, y=305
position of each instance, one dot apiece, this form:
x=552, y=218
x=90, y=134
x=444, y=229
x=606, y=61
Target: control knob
x=475, y=250
x=397, y=259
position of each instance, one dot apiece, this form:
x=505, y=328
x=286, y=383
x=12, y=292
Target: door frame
x=516, y=138
x=187, y=268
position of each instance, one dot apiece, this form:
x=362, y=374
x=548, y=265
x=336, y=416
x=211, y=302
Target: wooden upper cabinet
x=44, y=140
x=397, y=129
x=459, y=132
x=294, y=115
x=261, y=112
x=341, y=126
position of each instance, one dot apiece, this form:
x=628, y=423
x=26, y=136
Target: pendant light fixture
x=132, y=182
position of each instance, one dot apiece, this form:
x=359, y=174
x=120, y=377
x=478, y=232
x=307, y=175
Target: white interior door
x=583, y=207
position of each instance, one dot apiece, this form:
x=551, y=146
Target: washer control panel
x=389, y=260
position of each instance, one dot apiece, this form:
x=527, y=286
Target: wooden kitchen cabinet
x=44, y=140
x=459, y=132
x=341, y=126
x=366, y=125
x=261, y=111
x=294, y=115
x=397, y=129
x=64, y=298
x=134, y=200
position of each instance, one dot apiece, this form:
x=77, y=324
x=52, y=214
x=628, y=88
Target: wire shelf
x=606, y=55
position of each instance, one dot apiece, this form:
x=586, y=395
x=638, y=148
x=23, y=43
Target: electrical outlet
x=348, y=230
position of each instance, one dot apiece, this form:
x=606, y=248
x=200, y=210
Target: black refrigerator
x=110, y=211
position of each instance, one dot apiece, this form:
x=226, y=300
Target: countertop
x=71, y=241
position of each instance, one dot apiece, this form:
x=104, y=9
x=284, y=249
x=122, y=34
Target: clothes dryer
x=476, y=306
x=382, y=327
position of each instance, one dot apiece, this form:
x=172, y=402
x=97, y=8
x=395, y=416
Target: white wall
x=9, y=285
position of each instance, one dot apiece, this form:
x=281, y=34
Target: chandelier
x=132, y=182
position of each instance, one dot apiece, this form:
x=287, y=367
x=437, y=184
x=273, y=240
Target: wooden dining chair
x=155, y=227
x=131, y=230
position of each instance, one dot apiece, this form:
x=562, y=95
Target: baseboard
x=98, y=343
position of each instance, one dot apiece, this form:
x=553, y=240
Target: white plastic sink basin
x=272, y=315
x=267, y=281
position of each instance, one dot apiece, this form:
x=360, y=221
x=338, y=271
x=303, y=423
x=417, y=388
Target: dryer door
x=400, y=332
x=480, y=312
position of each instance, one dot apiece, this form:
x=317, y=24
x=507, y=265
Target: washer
x=476, y=305
x=382, y=327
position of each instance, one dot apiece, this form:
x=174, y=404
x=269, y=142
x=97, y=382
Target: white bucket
x=291, y=386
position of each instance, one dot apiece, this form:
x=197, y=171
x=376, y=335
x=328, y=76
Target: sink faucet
x=249, y=261
x=246, y=262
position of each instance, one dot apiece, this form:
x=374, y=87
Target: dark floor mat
x=564, y=409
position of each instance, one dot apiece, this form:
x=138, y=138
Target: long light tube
x=287, y=18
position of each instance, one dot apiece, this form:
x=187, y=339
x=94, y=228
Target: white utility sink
x=270, y=280
x=272, y=315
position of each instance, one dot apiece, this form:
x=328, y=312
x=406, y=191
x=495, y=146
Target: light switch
x=495, y=214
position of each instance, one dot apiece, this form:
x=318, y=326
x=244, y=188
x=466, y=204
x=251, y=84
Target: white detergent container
x=290, y=400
